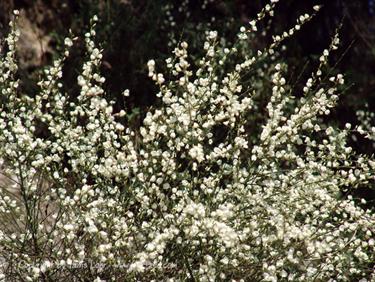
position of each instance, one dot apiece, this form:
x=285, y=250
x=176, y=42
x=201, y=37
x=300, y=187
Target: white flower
x=68, y=42
x=196, y=152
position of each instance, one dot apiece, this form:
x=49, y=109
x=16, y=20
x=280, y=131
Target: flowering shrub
x=213, y=186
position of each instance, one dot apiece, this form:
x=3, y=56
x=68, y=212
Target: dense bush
x=235, y=176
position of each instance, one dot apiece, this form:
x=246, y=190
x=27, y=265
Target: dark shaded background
x=133, y=31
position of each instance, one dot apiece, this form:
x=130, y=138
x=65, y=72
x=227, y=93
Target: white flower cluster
x=367, y=124
x=197, y=193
